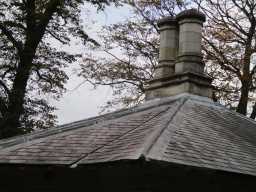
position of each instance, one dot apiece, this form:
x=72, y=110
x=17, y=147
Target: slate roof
x=184, y=129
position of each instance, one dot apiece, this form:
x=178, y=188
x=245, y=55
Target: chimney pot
x=191, y=13
x=169, y=20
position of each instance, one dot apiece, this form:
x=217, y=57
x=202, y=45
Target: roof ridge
x=155, y=136
x=74, y=164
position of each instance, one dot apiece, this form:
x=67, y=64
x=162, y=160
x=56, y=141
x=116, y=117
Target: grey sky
x=84, y=101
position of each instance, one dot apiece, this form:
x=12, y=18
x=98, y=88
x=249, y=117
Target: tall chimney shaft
x=190, y=37
x=168, y=50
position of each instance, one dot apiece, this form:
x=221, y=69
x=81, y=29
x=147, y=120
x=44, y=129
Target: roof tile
x=186, y=130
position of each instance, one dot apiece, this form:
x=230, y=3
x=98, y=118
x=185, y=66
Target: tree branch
x=227, y=67
x=5, y=87
x=56, y=37
x=17, y=44
x=51, y=7
x=242, y=8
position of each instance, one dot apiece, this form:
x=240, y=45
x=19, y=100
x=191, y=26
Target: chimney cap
x=191, y=13
x=169, y=20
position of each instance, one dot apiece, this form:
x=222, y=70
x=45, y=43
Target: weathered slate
x=188, y=130
x=71, y=146
x=209, y=136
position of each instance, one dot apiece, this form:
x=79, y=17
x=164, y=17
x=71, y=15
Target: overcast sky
x=84, y=101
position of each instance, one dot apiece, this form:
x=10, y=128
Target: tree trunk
x=10, y=123
x=253, y=114
x=246, y=78
x=243, y=102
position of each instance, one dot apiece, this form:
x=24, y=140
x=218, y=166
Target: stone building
x=177, y=140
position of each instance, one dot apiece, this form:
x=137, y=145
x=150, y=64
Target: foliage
x=228, y=48
x=31, y=68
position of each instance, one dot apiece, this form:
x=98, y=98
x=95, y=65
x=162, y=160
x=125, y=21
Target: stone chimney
x=180, y=69
x=168, y=49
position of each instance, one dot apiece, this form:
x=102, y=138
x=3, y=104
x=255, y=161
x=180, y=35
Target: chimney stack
x=180, y=69
x=168, y=49
x=190, y=37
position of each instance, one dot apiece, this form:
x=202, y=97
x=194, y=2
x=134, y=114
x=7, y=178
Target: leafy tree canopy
x=30, y=66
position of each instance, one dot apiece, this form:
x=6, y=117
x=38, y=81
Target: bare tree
x=137, y=41
x=228, y=47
